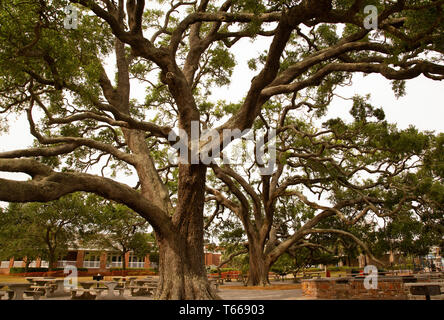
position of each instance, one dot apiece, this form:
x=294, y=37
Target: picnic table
x=16, y=290
x=143, y=287
x=424, y=288
x=88, y=293
x=42, y=286
x=110, y=287
x=124, y=280
x=312, y=274
x=57, y=289
x=31, y=279
x=9, y=294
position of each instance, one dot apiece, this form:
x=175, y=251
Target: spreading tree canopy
x=54, y=72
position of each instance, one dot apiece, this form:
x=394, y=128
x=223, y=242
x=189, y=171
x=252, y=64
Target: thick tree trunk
x=181, y=253
x=182, y=273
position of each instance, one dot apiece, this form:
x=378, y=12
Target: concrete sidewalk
x=233, y=294
x=243, y=293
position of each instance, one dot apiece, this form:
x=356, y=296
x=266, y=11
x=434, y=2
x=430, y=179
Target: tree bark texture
x=181, y=252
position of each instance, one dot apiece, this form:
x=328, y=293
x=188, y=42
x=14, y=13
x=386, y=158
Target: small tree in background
x=44, y=230
x=116, y=227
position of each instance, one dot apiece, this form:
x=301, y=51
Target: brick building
x=97, y=260
x=212, y=258
x=91, y=259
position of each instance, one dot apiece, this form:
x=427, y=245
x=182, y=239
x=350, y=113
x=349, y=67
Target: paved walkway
x=243, y=293
x=232, y=294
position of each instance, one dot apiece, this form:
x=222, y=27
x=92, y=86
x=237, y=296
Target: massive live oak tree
x=57, y=76
x=328, y=180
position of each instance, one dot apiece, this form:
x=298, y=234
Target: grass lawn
x=7, y=278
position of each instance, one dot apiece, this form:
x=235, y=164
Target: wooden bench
x=232, y=275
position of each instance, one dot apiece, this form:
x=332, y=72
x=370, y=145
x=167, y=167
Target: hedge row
x=344, y=268
x=23, y=270
x=214, y=270
x=394, y=267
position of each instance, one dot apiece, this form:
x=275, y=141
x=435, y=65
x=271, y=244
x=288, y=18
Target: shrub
x=408, y=266
x=22, y=270
x=30, y=270
x=127, y=269
x=334, y=269
x=342, y=269
x=130, y=272
x=211, y=270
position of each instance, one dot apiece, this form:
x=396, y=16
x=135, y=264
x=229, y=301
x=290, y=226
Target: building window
x=136, y=262
x=91, y=259
x=114, y=260
x=92, y=256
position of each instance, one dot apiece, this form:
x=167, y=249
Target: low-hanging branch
x=47, y=185
x=353, y=237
